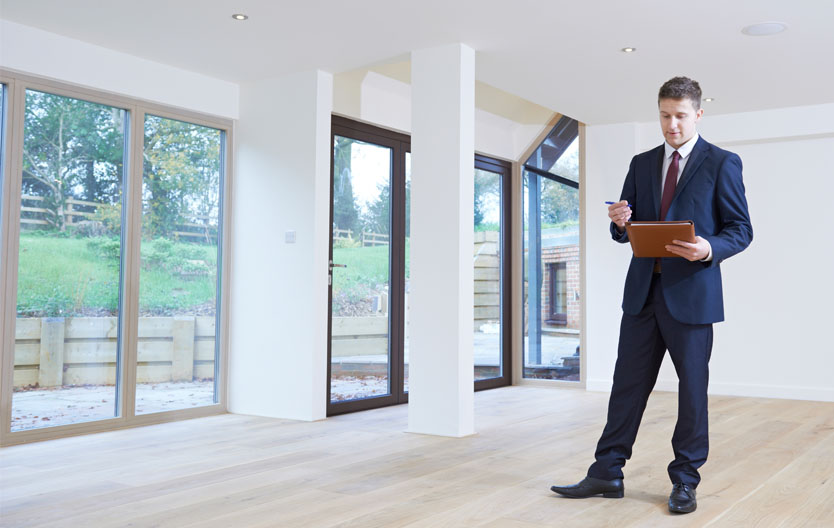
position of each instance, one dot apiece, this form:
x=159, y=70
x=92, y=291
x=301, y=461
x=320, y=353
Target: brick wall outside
x=569, y=255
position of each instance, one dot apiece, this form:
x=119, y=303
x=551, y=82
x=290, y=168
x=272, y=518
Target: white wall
x=278, y=313
x=386, y=102
x=776, y=340
x=37, y=52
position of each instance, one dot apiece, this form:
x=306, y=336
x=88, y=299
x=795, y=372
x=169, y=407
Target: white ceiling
x=562, y=55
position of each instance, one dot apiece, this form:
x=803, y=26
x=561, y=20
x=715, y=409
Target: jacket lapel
x=695, y=159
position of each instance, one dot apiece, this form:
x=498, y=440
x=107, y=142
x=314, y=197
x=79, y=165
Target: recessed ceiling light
x=628, y=50
x=764, y=29
x=239, y=16
x=709, y=99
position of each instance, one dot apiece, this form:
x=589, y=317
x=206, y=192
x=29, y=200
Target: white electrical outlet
x=290, y=237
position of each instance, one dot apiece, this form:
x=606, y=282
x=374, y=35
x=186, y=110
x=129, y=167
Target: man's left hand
x=691, y=252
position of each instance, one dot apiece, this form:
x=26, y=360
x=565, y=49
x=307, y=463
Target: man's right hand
x=619, y=213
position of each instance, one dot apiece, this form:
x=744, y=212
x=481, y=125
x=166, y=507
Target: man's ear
x=698, y=114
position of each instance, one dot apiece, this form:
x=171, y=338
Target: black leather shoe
x=590, y=486
x=682, y=499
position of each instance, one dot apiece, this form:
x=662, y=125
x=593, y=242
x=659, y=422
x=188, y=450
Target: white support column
x=441, y=378
x=278, y=313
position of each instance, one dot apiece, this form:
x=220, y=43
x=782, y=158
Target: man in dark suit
x=671, y=303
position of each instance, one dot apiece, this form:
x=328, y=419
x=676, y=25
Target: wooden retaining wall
x=59, y=351
x=487, y=278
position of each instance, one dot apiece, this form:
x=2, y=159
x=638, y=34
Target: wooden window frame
x=17, y=84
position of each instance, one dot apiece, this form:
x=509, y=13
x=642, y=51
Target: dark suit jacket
x=710, y=192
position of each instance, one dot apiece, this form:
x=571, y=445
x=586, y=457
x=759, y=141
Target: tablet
x=649, y=239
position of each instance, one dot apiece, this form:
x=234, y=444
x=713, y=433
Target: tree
x=71, y=149
x=345, y=210
x=378, y=216
x=486, y=183
x=181, y=174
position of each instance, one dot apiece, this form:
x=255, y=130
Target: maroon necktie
x=669, y=186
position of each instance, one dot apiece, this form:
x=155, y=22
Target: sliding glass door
x=370, y=271
x=366, y=366
x=112, y=261
x=68, y=324
x=492, y=271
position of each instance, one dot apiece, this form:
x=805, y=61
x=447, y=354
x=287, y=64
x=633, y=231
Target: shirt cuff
x=709, y=256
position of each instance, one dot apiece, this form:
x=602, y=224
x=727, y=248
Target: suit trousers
x=644, y=339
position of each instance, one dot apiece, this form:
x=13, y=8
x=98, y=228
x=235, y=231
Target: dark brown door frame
x=504, y=168
x=400, y=144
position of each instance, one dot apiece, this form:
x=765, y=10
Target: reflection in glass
x=487, y=262
x=177, y=352
x=360, y=359
x=67, y=329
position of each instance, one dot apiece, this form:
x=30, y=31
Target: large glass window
x=113, y=223
x=371, y=271
x=360, y=309
x=551, y=256
x=67, y=331
x=178, y=287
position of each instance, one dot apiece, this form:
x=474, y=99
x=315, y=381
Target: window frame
x=400, y=144
x=518, y=260
x=17, y=84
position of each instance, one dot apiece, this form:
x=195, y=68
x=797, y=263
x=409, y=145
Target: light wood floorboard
x=771, y=464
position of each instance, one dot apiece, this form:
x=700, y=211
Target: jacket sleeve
x=629, y=194
x=736, y=230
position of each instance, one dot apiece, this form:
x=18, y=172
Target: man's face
x=677, y=120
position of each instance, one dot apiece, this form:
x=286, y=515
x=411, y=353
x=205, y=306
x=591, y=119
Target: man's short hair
x=680, y=88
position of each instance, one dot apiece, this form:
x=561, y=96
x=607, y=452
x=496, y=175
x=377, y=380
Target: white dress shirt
x=685, y=150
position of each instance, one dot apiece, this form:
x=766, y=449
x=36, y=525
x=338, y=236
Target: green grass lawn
x=63, y=276
x=60, y=276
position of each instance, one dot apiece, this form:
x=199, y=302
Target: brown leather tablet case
x=649, y=239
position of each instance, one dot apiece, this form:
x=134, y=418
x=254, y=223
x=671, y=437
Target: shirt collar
x=685, y=149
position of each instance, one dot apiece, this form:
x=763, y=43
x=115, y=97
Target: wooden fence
x=57, y=351
x=366, y=238
x=207, y=231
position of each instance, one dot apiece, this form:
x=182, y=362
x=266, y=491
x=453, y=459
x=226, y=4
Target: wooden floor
x=771, y=464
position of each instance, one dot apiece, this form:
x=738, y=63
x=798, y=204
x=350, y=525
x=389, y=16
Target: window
x=68, y=327
x=370, y=268
x=557, y=280
x=178, y=289
x=551, y=256
x=114, y=217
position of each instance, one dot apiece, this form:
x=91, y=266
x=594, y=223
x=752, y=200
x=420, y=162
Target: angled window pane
x=558, y=154
x=67, y=331
x=178, y=287
x=551, y=257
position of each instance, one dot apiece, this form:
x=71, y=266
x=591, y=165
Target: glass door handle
x=337, y=265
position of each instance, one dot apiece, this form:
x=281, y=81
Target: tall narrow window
x=551, y=256
x=178, y=282
x=360, y=363
x=67, y=331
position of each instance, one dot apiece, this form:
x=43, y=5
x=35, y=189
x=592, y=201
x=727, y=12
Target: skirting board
x=784, y=392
